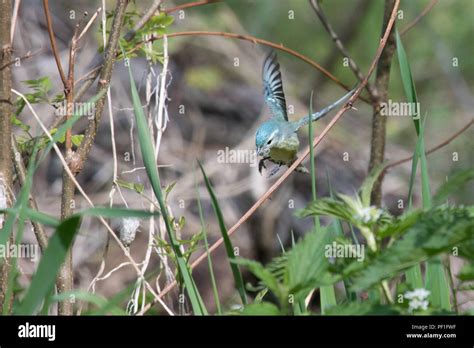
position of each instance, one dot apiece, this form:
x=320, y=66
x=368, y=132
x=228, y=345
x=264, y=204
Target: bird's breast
x=285, y=151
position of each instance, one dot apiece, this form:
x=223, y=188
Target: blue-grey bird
x=277, y=138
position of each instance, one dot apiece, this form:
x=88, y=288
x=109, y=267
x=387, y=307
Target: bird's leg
x=275, y=169
x=261, y=164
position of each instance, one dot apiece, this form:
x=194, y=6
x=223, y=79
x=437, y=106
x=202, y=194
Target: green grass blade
x=369, y=182
x=147, y=150
x=425, y=180
x=239, y=282
x=111, y=213
x=413, y=275
x=327, y=294
x=209, y=258
x=407, y=78
x=338, y=232
x=19, y=208
x=436, y=280
x=45, y=276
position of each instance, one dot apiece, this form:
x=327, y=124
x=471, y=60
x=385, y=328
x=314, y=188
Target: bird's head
x=267, y=136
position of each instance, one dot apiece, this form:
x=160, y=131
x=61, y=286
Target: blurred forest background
x=223, y=106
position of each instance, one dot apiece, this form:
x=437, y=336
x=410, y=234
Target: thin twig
x=14, y=17
x=92, y=75
x=340, y=46
x=190, y=4
x=88, y=25
x=300, y=159
x=433, y=149
x=86, y=197
x=145, y=18
x=26, y=56
x=419, y=17
x=53, y=41
x=254, y=40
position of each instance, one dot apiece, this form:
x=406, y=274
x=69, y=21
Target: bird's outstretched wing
x=273, y=87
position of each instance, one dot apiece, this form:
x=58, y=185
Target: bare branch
x=419, y=17
x=337, y=41
x=433, y=149
x=53, y=41
x=255, y=41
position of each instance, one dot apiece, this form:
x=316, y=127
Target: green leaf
x=45, y=276
x=327, y=294
x=413, y=275
x=209, y=258
x=435, y=232
x=369, y=182
x=139, y=188
x=466, y=273
x=407, y=79
x=116, y=213
x=77, y=139
x=16, y=122
x=307, y=262
x=455, y=182
x=365, y=308
x=329, y=207
x=239, y=282
x=262, y=308
x=265, y=275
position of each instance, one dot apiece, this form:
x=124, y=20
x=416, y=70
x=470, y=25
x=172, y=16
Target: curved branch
x=190, y=4
x=254, y=40
x=433, y=149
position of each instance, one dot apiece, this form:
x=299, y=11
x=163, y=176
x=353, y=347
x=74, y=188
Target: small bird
x=277, y=138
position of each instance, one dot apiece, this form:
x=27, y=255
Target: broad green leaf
x=307, y=262
x=435, y=232
x=264, y=275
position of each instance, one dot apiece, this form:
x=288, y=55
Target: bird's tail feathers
x=317, y=115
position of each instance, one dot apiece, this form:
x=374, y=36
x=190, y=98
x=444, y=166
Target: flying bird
x=277, y=139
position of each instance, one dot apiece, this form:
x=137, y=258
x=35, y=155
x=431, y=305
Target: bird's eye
x=269, y=142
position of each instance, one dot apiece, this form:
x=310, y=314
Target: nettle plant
x=395, y=244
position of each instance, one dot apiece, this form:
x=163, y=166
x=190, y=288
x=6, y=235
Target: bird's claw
x=261, y=164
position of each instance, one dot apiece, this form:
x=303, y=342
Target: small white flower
x=420, y=293
x=418, y=299
x=368, y=214
x=128, y=229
